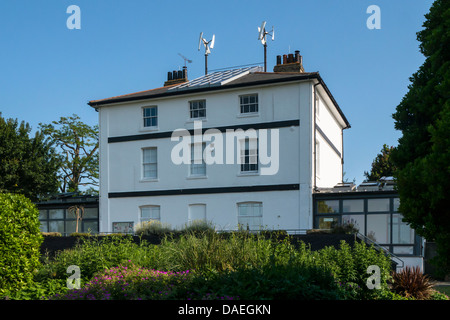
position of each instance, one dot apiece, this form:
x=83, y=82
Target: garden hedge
x=20, y=241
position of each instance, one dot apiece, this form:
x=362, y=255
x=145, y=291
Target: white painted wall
x=329, y=163
x=121, y=162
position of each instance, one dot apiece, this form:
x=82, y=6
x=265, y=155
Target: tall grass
x=226, y=263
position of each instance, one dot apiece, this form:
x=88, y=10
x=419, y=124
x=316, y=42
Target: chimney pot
x=175, y=75
x=169, y=76
x=290, y=58
x=284, y=58
x=278, y=60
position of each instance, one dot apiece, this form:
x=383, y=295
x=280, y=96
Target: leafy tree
x=79, y=149
x=28, y=165
x=422, y=156
x=382, y=165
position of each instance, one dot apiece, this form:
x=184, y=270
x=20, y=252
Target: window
x=249, y=155
x=353, y=205
x=150, y=213
x=197, y=109
x=149, y=163
x=249, y=103
x=250, y=215
x=197, y=212
x=328, y=206
x=198, y=165
x=150, y=116
x=61, y=220
x=377, y=205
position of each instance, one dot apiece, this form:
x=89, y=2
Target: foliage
x=79, y=149
x=20, y=240
x=382, y=165
x=152, y=228
x=130, y=282
x=349, y=265
x=411, y=282
x=28, y=165
x=422, y=156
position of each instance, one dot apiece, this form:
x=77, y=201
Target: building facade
x=237, y=148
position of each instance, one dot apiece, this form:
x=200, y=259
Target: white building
x=140, y=178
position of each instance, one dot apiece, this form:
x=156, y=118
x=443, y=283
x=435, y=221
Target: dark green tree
x=78, y=144
x=422, y=156
x=382, y=165
x=28, y=165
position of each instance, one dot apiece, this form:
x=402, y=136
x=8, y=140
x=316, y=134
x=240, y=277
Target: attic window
x=197, y=109
x=249, y=103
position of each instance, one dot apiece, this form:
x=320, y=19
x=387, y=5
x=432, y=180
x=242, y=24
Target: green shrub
x=152, y=227
x=20, y=241
x=91, y=254
x=349, y=265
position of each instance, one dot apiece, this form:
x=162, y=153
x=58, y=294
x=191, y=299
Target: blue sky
x=48, y=71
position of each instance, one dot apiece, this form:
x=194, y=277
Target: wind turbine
x=262, y=33
x=208, y=45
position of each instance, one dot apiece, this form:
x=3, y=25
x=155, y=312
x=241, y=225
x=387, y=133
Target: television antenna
x=208, y=46
x=262, y=35
x=185, y=59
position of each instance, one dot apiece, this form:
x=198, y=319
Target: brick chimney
x=175, y=77
x=289, y=63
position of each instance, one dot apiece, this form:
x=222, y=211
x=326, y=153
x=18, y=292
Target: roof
x=221, y=80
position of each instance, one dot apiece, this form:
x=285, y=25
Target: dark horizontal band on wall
x=168, y=134
x=175, y=192
x=331, y=144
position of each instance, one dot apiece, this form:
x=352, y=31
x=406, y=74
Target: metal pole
x=265, y=57
x=206, y=64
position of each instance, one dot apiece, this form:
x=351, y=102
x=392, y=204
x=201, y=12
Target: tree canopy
x=28, y=165
x=382, y=165
x=78, y=143
x=422, y=156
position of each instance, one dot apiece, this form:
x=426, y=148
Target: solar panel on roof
x=216, y=78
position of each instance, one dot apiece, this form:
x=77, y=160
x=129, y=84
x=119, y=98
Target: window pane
x=401, y=232
x=150, y=213
x=378, y=227
x=56, y=226
x=353, y=205
x=328, y=206
x=56, y=214
x=357, y=220
x=396, y=204
x=43, y=214
x=377, y=205
x=327, y=222
x=90, y=213
x=71, y=226
x=403, y=249
x=43, y=226
x=90, y=226
x=197, y=212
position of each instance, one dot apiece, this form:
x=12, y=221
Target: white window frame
x=248, y=104
x=198, y=109
x=194, y=158
x=248, y=163
x=193, y=205
x=153, y=209
x=150, y=163
x=257, y=216
x=149, y=117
